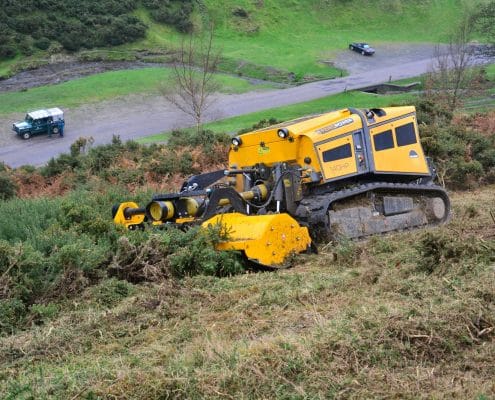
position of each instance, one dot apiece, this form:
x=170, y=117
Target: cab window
x=383, y=140
x=338, y=153
x=405, y=134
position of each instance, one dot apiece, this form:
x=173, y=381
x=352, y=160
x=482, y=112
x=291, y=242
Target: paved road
x=150, y=115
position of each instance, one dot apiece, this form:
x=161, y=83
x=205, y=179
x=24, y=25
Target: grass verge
x=105, y=86
x=342, y=100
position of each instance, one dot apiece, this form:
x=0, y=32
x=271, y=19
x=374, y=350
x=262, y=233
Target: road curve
x=151, y=115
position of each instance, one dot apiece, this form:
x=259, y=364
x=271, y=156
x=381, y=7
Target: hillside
x=88, y=310
x=272, y=40
x=408, y=315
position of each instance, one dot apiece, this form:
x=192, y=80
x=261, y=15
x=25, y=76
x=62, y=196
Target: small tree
x=193, y=77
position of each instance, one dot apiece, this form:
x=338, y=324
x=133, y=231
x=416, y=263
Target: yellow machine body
x=350, y=172
x=339, y=144
x=264, y=239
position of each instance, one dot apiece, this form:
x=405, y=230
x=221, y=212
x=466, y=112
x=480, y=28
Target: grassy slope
x=356, y=321
x=296, y=35
x=287, y=39
x=104, y=86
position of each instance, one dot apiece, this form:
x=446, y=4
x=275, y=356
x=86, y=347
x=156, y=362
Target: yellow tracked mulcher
x=347, y=173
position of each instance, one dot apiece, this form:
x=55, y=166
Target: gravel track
x=136, y=116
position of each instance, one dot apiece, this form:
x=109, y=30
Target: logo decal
x=263, y=150
x=339, y=124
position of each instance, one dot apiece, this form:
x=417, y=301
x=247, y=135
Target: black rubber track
x=313, y=209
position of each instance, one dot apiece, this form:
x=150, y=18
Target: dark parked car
x=364, y=48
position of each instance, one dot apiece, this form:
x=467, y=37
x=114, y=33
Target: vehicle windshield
x=29, y=119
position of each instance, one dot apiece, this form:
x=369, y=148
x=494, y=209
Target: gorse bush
x=173, y=253
x=462, y=147
x=264, y=123
x=204, y=138
x=82, y=24
x=463, y=156
x=175, y=12
x=51, y=249
x=130, y=163
x=7, y=186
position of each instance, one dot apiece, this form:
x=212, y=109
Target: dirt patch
x=65, y=71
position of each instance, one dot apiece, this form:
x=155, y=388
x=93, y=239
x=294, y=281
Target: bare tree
x=193, y=77
x=453, y=75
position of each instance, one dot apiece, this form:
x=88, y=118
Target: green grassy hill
x=270, y=39
x=267, y=38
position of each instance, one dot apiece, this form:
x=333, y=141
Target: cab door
x=36, y=126
x=338, y=157
x=397, y=149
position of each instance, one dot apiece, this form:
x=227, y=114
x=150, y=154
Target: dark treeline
x=74, y=24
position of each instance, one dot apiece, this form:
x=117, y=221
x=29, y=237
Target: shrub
x=7, y=186
x=59, y=165
x=442, y=250
x=7, y=50
x=111, y=291
x=195, y=254
x=463, y=156
x=175, y=12
x=42, y=43
x=41, y=313
x=240, y=12
x=205, y=138
x=264, y=123
x=86, y=24
x=12, y=314
x=173, y=253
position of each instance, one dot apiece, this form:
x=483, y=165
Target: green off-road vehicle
x=49, y=121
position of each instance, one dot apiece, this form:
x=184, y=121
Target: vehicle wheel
x=351, y=48
x=55, y=130
x=362, y=53
x=26, y=135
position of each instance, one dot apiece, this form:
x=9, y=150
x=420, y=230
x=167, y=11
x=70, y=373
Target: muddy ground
x=65, y=71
